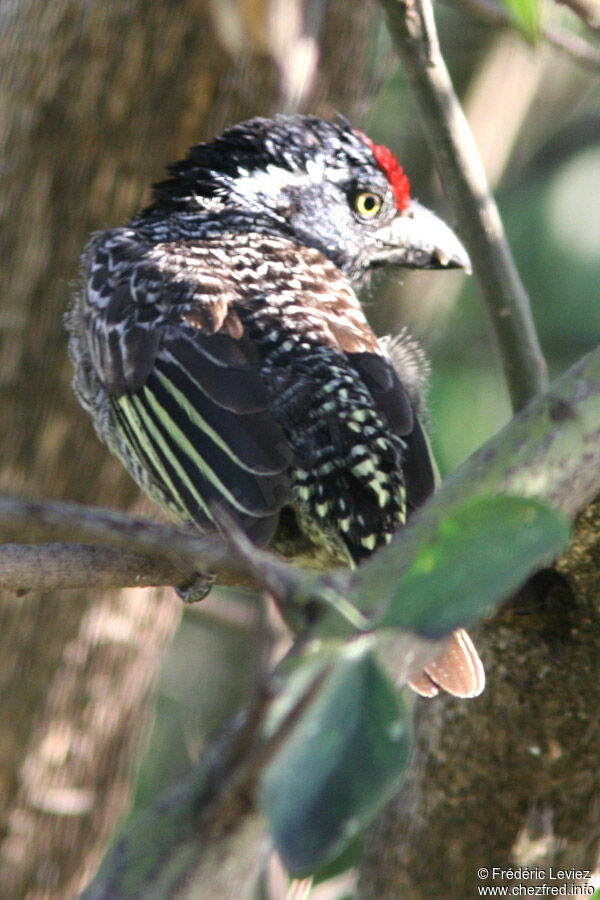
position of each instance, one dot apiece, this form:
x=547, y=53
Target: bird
x=220, y=346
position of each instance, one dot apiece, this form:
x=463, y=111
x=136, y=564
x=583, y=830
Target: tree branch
x=56, y=566
x=412, y=27
x=135, y=549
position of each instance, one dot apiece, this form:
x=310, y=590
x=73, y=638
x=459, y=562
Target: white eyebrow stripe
x=273, y=179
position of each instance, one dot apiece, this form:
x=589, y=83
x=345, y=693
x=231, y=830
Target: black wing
x=190, y=406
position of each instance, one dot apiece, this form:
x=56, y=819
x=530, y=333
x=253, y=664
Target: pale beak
x=418, y=239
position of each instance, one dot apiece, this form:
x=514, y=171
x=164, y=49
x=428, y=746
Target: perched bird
x=221, y=350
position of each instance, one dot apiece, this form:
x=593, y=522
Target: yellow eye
x=367, y=204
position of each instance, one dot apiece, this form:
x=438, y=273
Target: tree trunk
x=97, y=98
x=510, y=779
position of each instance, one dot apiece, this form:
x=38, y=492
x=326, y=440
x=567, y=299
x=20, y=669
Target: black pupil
x=369, y=202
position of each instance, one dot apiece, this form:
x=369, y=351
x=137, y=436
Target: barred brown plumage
x=222, y=352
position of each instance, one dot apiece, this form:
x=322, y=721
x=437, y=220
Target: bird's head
x=325, y=184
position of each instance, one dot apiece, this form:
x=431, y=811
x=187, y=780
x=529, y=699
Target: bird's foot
x=197, y=588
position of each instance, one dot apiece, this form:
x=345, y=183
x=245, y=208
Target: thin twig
x=587, y=14
x=572, y=45
x=412, y=28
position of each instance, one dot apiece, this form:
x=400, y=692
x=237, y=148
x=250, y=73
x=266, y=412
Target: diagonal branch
x=412, y=27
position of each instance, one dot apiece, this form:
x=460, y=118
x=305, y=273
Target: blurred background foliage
x=536, y=117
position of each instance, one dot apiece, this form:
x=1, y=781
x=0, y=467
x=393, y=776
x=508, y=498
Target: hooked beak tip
x=458, y=260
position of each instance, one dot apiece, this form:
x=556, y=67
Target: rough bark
x=511, y=779
x=96, y=99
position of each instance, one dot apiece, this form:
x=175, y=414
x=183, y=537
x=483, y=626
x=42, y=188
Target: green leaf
x=526, y=14
x=478, y=556
x=344, y=759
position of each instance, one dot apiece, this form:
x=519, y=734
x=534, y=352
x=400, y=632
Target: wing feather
x=223, y=368
x=194, y=416
x=392, y=400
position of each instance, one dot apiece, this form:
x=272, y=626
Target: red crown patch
x=391, y=166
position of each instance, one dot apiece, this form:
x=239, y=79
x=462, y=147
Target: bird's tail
x=457, y=669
